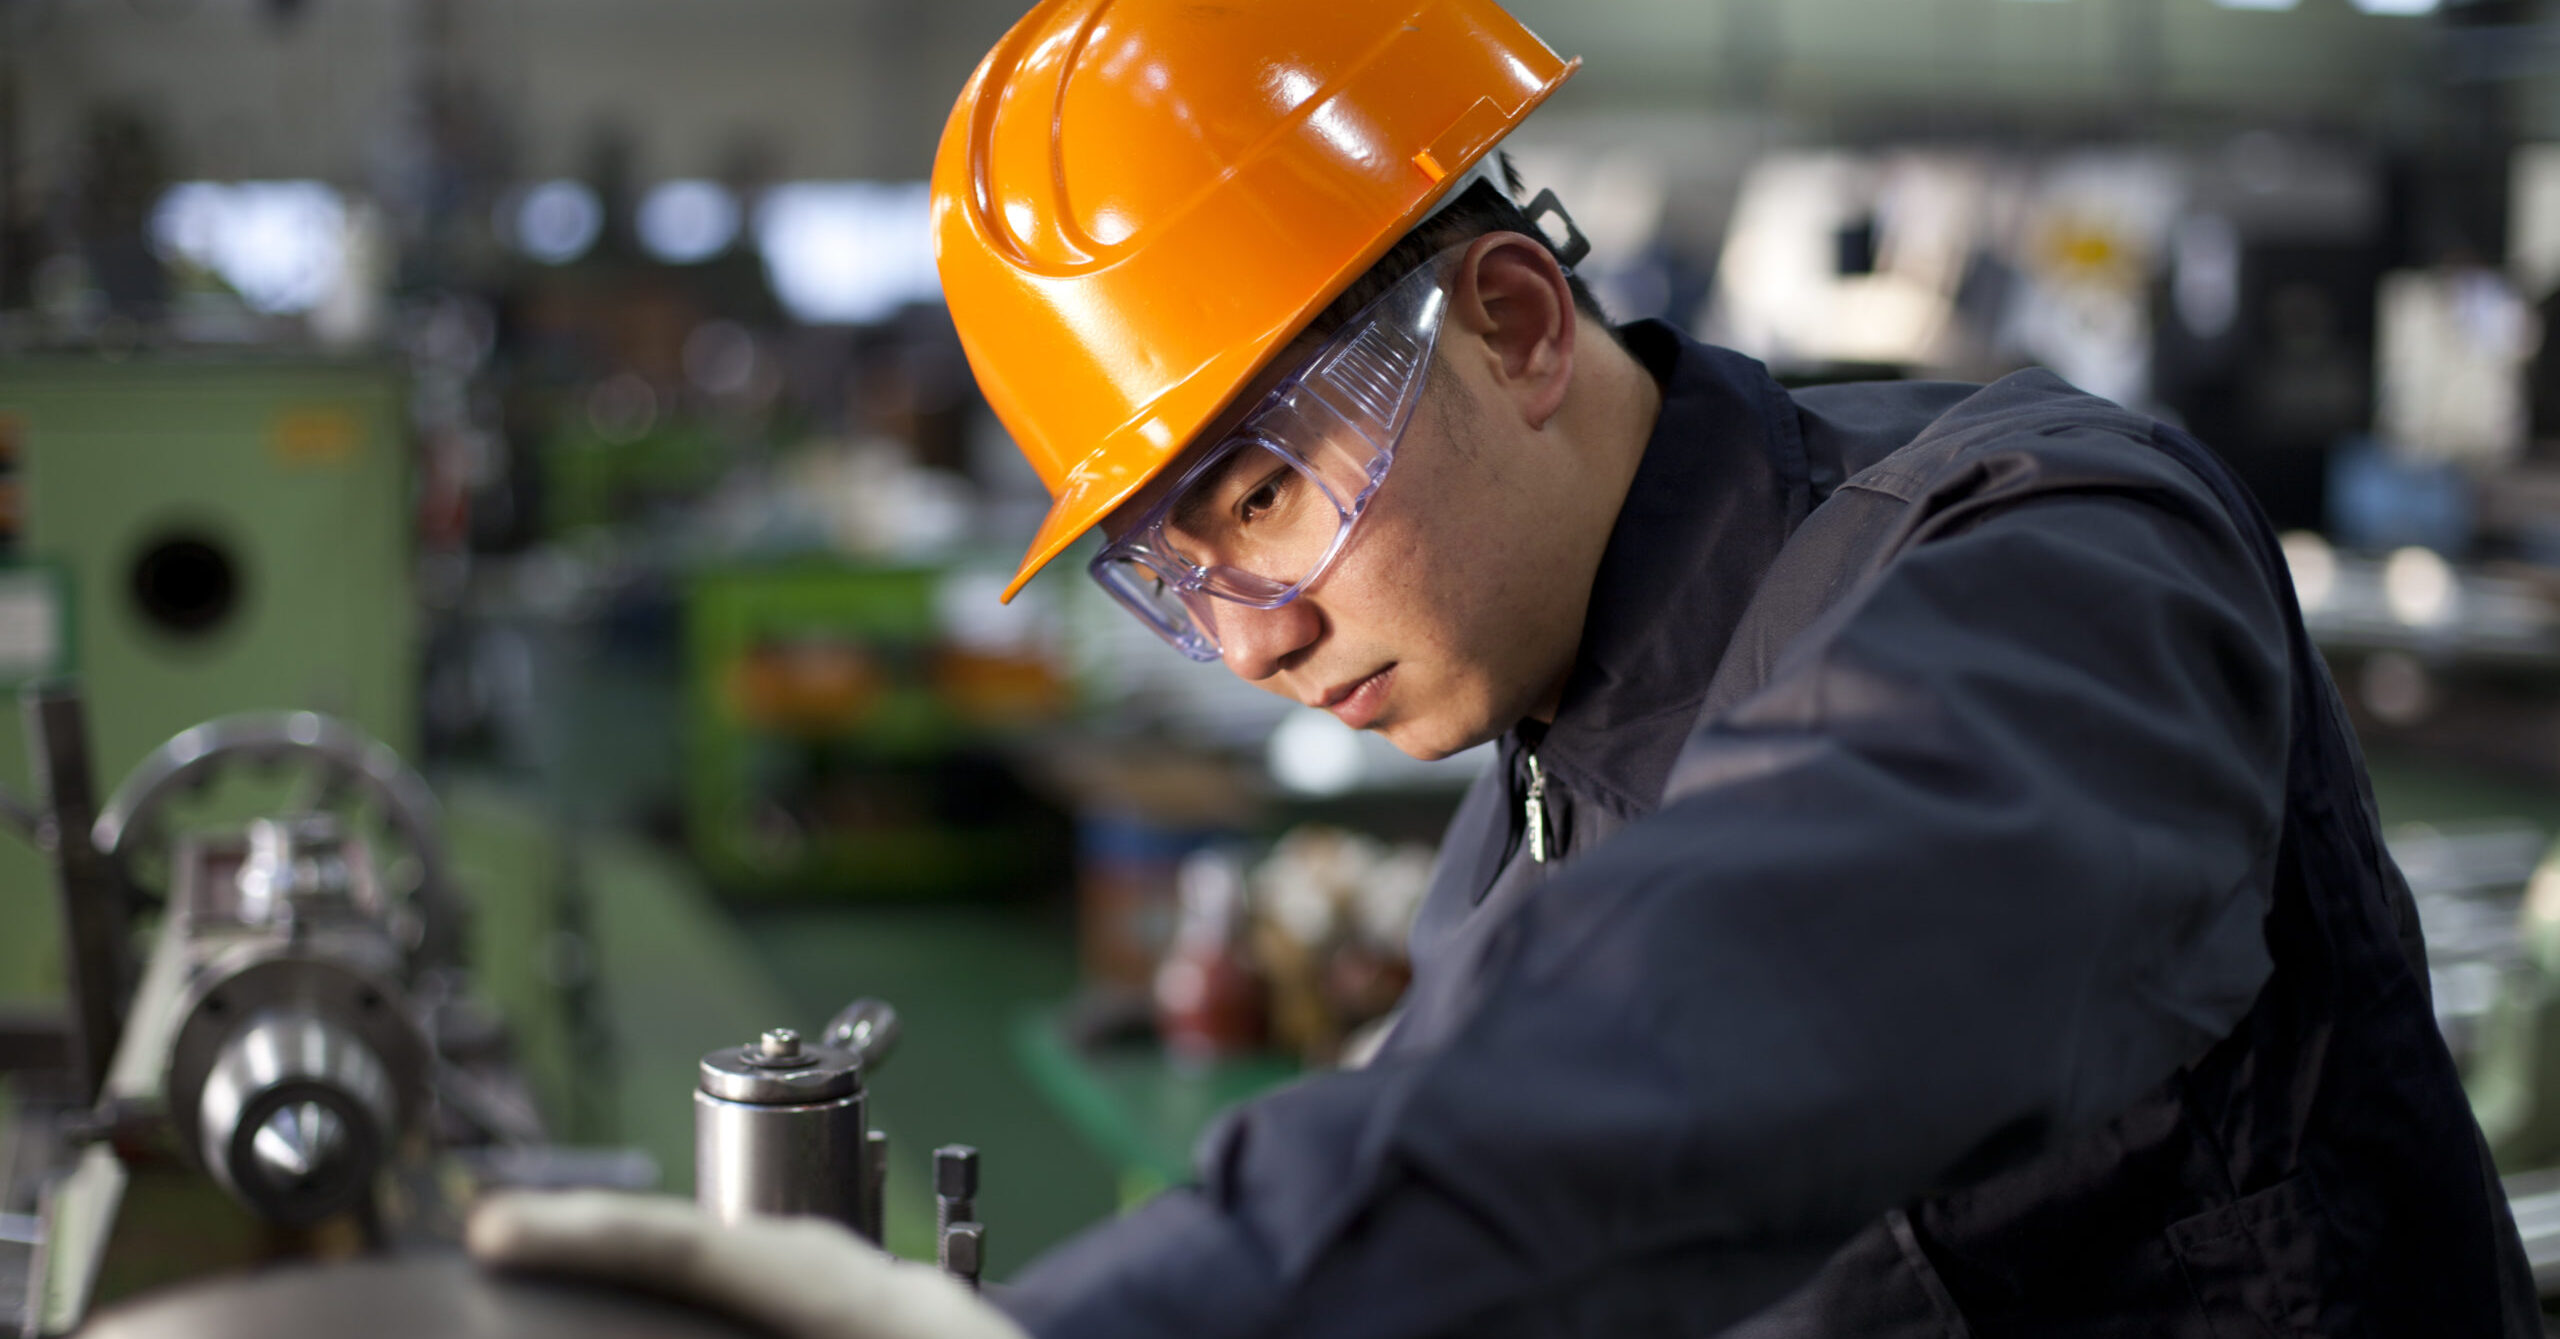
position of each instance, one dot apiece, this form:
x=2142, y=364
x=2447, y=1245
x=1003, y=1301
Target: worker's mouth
x=1359, y=704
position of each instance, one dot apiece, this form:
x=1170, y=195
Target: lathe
x=278, y=1112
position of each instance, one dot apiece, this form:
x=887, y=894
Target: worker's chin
x=1429, y=738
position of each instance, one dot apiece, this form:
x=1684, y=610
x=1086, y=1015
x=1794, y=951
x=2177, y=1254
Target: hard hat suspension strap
x=1569, y=252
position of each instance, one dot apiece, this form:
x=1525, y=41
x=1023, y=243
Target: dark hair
x=1482, y=209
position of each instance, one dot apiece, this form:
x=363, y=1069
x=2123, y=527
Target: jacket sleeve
x=1987, y=858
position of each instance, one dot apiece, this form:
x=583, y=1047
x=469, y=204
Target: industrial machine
x=283, y=1102
x=192, y=536
x=281, y=1069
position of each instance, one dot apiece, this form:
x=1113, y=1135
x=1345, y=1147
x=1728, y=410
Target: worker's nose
x=1258, y=643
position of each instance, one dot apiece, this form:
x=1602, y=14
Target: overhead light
x=557, y=221
x=281, y=245
x=2204, y=267
x=848, y=252
x=2314, y=566
x=2420, y=588
x=682, y=222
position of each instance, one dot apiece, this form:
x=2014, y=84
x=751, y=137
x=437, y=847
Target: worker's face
x=1454, y=609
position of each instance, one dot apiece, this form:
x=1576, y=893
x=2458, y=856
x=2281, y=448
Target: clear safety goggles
x=1263, y=513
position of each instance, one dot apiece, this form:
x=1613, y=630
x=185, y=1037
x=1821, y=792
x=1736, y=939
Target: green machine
x=840, y=743
x=194, y=538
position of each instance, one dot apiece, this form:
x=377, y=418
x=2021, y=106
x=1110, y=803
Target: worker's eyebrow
x=1194, y=505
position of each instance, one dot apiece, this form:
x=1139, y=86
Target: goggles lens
x=1266, y=510
x=1258, y=515
x=1158, y=603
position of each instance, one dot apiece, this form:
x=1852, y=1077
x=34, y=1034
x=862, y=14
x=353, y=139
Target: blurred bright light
x=2419, y=586
x=2205, y=263
x=848, y=252
x=1314, y=754
x=720, y=358
x=2314, y=566
x=2396, y=6
x=281, y=245
x=557, y=221
x=681, y=222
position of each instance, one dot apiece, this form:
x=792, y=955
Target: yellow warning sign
x=314, y=435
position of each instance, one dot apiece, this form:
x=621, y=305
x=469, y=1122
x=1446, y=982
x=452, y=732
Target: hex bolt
x=964, y=1252
x=960, y=1242
x=955, y=1186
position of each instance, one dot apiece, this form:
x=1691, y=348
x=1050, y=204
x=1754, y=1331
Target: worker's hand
x=803, y=1277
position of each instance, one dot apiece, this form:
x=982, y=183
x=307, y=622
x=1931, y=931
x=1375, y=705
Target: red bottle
x=1209, y=999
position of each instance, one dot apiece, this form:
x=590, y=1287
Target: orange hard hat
x=1138, y=203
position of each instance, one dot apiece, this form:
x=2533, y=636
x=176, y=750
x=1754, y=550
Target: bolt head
x=955, y=1171
x=778, y=1044
x=964, y=1248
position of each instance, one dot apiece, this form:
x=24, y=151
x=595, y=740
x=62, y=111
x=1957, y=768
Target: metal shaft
x=875, y=1170
x=97, y=933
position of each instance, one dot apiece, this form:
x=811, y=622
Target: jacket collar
x=1722, y=484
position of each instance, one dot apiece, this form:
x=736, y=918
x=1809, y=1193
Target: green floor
x=2412, y=788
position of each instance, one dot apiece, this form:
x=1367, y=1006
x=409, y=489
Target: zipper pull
x=1537, y=807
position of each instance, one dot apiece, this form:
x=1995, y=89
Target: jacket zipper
x=1537, y=807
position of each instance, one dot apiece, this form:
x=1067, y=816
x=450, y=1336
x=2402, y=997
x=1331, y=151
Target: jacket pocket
x=2254, y=1264
x=1878, y=1286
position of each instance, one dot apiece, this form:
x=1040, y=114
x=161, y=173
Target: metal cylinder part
x=304, y=866
x=296, y=1116
x=778, y=1128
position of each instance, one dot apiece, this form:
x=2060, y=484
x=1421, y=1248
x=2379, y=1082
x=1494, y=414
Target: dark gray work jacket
x=1964, y=915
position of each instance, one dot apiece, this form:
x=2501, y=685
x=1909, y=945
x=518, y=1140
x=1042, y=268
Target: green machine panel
x=224, y=536
x=841, y=744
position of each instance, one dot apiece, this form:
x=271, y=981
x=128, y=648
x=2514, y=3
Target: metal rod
x=96, y=931
x=875, y=1175
x=959, y=1240
x=33, y=1039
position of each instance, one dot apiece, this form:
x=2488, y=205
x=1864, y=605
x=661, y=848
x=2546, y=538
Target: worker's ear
x=1509, y=291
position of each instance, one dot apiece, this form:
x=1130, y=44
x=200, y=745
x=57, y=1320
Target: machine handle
x=868, y=1028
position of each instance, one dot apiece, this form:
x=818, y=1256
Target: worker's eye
x=1268, y=495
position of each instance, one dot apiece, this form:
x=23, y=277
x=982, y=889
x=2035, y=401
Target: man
x=1927, y=888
